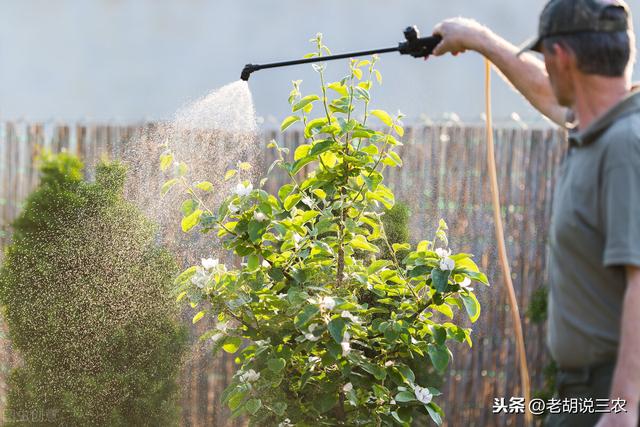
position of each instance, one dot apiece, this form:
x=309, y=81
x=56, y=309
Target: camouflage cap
x=563, y=17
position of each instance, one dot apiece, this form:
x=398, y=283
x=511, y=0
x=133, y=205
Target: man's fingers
x=441, y=48
x=437, y=30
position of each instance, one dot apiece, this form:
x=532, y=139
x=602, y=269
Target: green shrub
x=324, y=329
x=84, y=289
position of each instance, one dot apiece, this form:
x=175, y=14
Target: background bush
x=84, y=289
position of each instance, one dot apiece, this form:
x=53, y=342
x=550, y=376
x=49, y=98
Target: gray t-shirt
x=595, y=232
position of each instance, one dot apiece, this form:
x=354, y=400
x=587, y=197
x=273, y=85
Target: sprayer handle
x=419, y=47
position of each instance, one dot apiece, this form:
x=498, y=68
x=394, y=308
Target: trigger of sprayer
x=416, y=46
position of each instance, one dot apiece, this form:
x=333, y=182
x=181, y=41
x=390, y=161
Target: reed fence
x=444, y=176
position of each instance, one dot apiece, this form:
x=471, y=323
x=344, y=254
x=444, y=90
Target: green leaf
x=256, y=230
x=360, y=242
x=279, y=408
x=167, y=186
x=232, y=344
x=405, y=396
x=439, y=334
x=188, y=206
x=276, y=365
x=407, y=373
x=305, y=101
x=165, y=161
x=285, y=190
x=288, y=122
x=339, y=87
x=230, y=174
x=440, y=279
x=190, y=221
x=434, y=412
x=313, y=125
x=295, y=168
x=472, y=306
x=253, y=405
x=401, y=247
x=439, y=355
x=253, y=262
x=182, y=295
x=197, y=317
x=292, y=200
x=320, y=193
x=321, y=147
x=305, y=316
x=378, y=76
x=325, y=402
x=445, y=309
x=204, y=186
x=336, y=328
x=301, y=151
x=383, y=116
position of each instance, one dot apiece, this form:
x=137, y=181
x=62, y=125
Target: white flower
x=296, y=238
x=388, y=363
x=209, y=263
x=309, y=335
x=347, y=387
x=346, y=347
x=327, y=303
x=286, y=423
x=443, y=253
x=307, y=201
x=423, y=394
x=243, y=190
x=259, y=216
x=222, y=326
x=465, y=284
x=234, y=208
x=348, y=315
x=217, y=336
x=250, y=376
x=447, y=264
x=200, y=278
x=314, y=359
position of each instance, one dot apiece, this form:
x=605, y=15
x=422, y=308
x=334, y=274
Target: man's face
x=559, y=74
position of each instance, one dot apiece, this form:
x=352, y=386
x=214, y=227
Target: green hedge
x=85, y=292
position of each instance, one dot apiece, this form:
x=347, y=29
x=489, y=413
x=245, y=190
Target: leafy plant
x=537, y=312
x=325, y=330
x=86, y=293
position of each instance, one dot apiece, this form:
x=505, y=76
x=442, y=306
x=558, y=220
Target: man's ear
x=564, y=56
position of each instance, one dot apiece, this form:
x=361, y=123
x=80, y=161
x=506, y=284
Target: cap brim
x=533, y=44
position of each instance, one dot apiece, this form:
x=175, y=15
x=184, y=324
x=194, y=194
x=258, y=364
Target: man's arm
x=526, y=73
x=626, y=378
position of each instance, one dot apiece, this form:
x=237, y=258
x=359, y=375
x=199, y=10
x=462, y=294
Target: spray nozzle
x=247, y=70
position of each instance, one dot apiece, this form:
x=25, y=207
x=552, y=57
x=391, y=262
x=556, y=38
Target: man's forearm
x=626, y=379
x=526, y=73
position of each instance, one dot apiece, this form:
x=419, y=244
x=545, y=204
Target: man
x=584, y=84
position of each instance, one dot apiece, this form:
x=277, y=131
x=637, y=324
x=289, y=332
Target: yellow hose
x=502, y=248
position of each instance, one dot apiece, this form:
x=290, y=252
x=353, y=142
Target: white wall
x=134, y=59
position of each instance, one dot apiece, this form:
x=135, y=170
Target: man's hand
x=626, y=379
x=525, y=73
x=458, y=35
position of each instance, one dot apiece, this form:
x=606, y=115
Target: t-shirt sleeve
x=621, y=210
